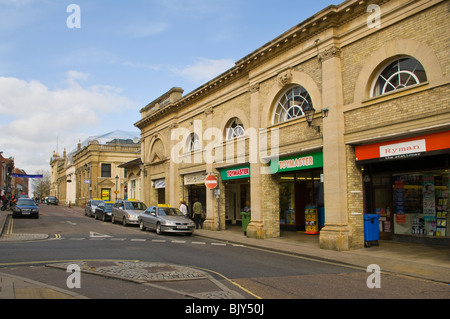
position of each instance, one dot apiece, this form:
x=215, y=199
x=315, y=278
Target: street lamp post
x=117, y=179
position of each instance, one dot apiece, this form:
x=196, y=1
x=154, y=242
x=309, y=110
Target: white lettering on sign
x=297, y=162
x=403, y=148
x=238, y=172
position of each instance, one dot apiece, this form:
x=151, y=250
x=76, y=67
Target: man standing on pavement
x=198, y=209
x=184, y=208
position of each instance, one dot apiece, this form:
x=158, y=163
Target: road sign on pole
x=211, y=181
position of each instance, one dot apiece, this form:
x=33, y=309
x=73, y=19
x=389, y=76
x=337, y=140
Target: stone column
x=336, y=233
x=256, y=228
x=173, y=178
x=215, y=209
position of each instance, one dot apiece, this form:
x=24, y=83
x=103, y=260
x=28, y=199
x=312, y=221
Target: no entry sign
x=211, y=181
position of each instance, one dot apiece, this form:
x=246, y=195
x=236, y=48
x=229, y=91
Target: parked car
x=52, y=200
x=25, y=207
x=91, y=205
x=165, y=219
x=103, y=211
x=127, y=211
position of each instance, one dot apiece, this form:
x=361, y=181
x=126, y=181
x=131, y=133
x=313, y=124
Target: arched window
x=397, y=75
x=235, y=129
x=193, y=143
x=292, y=104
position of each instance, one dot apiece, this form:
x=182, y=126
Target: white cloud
x=35, y=116
x=204, y=69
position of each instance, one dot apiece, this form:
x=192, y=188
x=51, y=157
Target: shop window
x=292, y=104
x=193, y=143
x=398, y=75
x=235, y=129
x=421, y=203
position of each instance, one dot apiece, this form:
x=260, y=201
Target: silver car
x=91, y=205
x=127, y=211
x=165, y=219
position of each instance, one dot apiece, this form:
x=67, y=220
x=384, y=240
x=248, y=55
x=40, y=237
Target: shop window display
x=287, y=203
x=421, y=203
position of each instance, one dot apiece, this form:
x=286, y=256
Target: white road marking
x=98, y=235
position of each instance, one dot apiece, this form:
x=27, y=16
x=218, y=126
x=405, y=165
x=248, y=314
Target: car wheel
x=113, y=221
x=158, y=229
x=104, y=218
x=141, y=226
x=96, y=216
x=124, y=222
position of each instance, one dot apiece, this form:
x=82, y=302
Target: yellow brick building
x=295, y=125
x=93, y=169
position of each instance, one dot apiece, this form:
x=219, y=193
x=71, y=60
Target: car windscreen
x=135, y=206
x=109, y=205
x=166, y=211
x=26, y=202
x=96, y=202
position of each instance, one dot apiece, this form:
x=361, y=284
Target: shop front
x=301, y=192
x=194, y=188
x=407, y=182
x=237, y=192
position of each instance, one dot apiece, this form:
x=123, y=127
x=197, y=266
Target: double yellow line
x=9, y=230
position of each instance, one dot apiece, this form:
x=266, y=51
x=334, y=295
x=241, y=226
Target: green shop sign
x=295, y=163
x=235, y=173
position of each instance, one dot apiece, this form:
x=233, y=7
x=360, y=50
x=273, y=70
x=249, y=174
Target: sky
x=69, y=73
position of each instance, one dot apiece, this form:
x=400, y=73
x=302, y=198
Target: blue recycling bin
x=371, y=229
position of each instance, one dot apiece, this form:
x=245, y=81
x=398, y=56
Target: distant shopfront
x=237, y=192
x=194, y=188
x=407, y=183
x=301, y=188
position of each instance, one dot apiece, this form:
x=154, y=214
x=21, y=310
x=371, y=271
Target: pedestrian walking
x=198, y=211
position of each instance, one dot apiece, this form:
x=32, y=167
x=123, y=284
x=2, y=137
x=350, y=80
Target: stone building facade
x=93, y=169
x=281, y=129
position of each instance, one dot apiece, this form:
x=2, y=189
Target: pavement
x=423, y=261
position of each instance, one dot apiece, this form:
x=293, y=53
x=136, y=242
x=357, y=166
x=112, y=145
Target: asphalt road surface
x=231, y=271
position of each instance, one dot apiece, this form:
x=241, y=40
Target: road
x=229, y=271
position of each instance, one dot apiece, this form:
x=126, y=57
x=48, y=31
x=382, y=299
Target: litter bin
x=371, y=229
x=245, y=216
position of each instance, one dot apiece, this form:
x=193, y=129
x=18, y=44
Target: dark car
x=25, y=207
x=103, y=211
x=52, y=200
